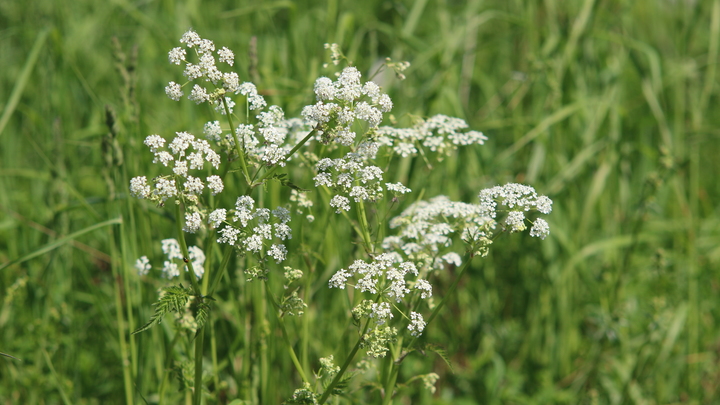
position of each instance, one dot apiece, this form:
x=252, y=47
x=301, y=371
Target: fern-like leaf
x=440, y=352
x=172, y=299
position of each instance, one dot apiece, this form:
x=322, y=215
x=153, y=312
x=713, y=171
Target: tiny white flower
x=229, y=235
x=190, y=38
x=324, y=89
x=197, y=256
x=397, y=188
x=340, y=204
x=164, y=157
x=170, y=269
x=217, y=217
x=154, y=142
x=139, y=187
x=425, y=288
x=193, y=222
x=181, y=168
x=220, y=107
x=278, y=252
x=176, y=55
x=381, y=312
x=142, y=265
x=226, y=55
x=417, y=324
x=192, y=71
x=540, y=229
x=339, y=279
x=215, y=184
x=516, y=221
x=171, y=248
x=199, y=94
x=193, y=185
x=212, y=130
x=174, y=91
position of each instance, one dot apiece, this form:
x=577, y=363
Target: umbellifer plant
x=340, y=141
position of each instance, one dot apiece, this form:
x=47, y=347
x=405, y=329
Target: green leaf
x=172, y=299
x=440, y=352
x=282, y=178
x=202, y=315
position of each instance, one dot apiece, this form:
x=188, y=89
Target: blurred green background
x=608, y=107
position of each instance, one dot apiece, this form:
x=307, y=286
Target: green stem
x=362, y=217
x=395, y=368
x=239, y=143
x=291, y=351
x=199, y=340
x=448, y=294
x=214, y=357
x=183, y=248
x=122, y=328
x=272, y=170
x=348, y=360
x=197, y=396
x=167, y=368
x=389, y=386
x=221, y=272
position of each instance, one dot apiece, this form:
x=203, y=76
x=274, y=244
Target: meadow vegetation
x=607, y=107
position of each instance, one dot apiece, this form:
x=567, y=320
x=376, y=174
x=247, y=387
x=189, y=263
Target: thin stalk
x=395, y=368
x=122, y=327
x=221, y=272
x=391, y=377
x=362, y=216
x=348, y=360
x=214, y=358
x=272, y=170
x=291, y=351
x=167, y=368
x=199, y=340
x=129, y=291
x=197, y=396
x=448, y=294
x=239, y=147
x=183, y=248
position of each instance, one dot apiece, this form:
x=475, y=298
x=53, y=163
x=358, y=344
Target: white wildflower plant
x=337, y=139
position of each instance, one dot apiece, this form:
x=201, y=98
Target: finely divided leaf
x=172, y=299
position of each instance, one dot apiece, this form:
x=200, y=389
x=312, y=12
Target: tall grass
x=605, y=106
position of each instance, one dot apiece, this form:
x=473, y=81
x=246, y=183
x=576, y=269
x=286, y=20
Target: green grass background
x=608, y=107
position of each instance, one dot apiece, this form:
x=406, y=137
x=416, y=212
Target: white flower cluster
x=385, y=275
x=206, y=68
x=184, y=153
x=273, y=130
x=249, y=228
x=171, y=269
x=268, y=142
x=426, y=227
x=343, y=102
x=352, y=177
x=517, y=199
x=142, y=265
x=301, y=199
x=439, y=133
